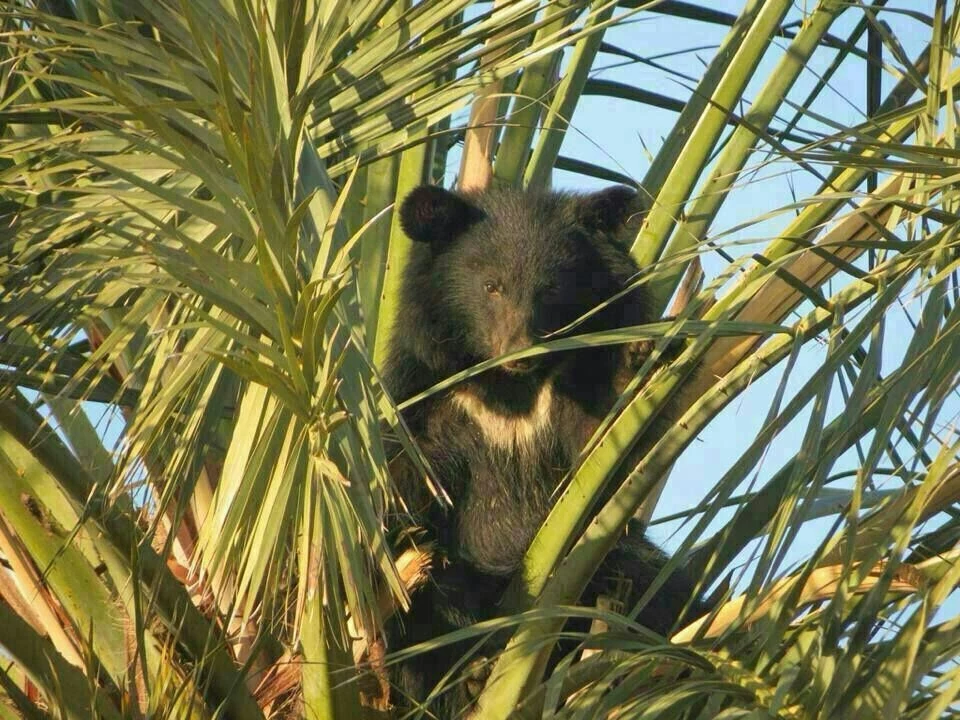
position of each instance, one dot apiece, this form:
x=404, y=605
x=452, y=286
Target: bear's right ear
x=610, y=209
x=433, y=215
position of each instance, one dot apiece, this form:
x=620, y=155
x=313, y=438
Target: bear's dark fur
x=491, y=273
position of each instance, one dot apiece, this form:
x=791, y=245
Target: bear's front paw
x=475, y=676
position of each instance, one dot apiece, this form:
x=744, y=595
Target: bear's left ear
x=433, y=215
x=608, y=210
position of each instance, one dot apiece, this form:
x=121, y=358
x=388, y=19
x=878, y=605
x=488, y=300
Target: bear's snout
x=522, y=365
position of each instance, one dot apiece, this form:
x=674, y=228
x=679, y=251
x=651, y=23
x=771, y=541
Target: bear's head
x=497, y=271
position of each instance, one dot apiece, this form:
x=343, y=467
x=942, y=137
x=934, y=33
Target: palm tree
x=198, y=271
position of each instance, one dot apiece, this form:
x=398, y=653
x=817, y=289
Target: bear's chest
x=515, y=432
x=512, y=466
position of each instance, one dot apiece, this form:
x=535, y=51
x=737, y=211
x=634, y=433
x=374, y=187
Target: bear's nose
x=521, y=365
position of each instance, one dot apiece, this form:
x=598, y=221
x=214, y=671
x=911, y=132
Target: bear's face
x=511, y=268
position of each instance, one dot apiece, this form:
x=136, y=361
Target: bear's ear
x=608, y=210
x=433, y=215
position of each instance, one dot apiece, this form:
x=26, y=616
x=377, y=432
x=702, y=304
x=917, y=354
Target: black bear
x=491, y=273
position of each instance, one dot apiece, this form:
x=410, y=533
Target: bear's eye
x=491, y=287
x=551, y=290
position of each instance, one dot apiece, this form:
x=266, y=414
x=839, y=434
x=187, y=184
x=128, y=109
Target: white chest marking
x=508, y=432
